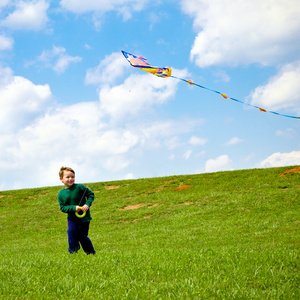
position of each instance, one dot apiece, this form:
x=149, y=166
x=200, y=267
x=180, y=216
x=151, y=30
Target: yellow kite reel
x=81, y=213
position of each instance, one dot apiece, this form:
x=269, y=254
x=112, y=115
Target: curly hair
x=62, y=169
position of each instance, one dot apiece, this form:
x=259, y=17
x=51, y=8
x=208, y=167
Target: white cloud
x=57, y=59
x=137, y=93
x=244, y=32
x=109, y=69
x=173, y=142
x=249, y=157
x=221, y=163
x=201, y=153
x=27, y=16
x=187, y=154
x=169, y=128
x=116, y=163
x=122, y=7
x=115, y=141
x=281, y=159
x=156, y=18
x=233, y=141
x=6, y=43
x=197, y=141
x=166, y=132
x=129, y=176
x=6, y=76
x=63, y=62
x=87, y=46
x=3, y=3
x=281, y=92
x=221, y=75
x=21, y=101
x=288, y=133
x=171, y=157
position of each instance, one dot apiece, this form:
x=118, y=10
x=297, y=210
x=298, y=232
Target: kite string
x=226, y=97
x=82, y=196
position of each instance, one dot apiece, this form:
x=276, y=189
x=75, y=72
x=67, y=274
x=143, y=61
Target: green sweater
x=69, y=198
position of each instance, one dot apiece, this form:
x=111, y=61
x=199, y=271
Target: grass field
x=225, y=235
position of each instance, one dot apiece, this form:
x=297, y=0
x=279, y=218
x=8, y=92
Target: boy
x=69, y=199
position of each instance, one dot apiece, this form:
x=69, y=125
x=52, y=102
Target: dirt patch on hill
x=133, y=206
x=154, y=205
x=294, y=170
x=147, y=217
x=138, y=205
x=183, y=187
x=161, y=187
x=188, y=202
x=111, y=187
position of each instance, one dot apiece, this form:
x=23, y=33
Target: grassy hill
x=225, y=235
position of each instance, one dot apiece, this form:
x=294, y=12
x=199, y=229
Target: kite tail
x=233, y=99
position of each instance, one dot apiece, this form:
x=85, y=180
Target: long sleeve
x=66, y=208
x=90, y=197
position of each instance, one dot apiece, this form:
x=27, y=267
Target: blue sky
x=69, y=98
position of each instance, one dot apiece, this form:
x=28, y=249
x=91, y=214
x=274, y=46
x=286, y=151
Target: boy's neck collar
x=68, y=187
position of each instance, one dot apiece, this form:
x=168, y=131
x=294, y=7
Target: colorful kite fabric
x=142, y=63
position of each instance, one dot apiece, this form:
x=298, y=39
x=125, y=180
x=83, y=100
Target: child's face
x=68, y=179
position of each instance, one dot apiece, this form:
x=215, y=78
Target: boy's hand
x=78, y=209
x=85, y=208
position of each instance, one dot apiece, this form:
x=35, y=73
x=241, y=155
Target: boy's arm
x=90, y=197
x=65, y=208
x=69, y=208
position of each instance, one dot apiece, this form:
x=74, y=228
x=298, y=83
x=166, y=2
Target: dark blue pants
x=78, y=233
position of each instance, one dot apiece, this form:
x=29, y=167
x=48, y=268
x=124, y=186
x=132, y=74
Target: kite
x=141, y=62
